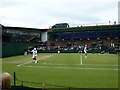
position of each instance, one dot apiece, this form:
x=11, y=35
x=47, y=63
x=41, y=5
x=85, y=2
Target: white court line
x=33, y=61
x=79, y=64
x=102, y=64
x=84, y=54
x=71, y=68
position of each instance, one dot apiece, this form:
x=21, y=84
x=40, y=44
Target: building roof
x=24, y=28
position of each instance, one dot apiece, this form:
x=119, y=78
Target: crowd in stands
x=102, y=48
x=61, y=48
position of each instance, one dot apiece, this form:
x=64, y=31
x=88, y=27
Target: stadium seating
x=60, y=37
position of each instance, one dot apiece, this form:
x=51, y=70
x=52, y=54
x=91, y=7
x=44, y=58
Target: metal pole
x=22, y=83
x=69, y=88
x=14, y=79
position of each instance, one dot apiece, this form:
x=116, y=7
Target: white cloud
x=43, y=13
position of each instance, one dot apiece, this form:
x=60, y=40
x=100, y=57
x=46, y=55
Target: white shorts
x=85, y=51
x=34, y=56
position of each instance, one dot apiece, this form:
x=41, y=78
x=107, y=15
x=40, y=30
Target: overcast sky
x=45, y=13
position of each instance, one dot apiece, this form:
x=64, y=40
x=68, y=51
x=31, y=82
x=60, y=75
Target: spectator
x=5, y=80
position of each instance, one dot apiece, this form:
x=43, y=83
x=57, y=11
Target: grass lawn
x=65, y=69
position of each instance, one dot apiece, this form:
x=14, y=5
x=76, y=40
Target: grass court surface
x=65, y=69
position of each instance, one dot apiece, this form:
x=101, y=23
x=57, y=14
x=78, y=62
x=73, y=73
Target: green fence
x=69, y=51
x=12, y=49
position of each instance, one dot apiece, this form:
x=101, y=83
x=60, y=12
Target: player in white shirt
x=58, y=51
x=85, y=51
x=34, y=55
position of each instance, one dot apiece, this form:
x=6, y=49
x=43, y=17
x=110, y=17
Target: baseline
x=71, y=68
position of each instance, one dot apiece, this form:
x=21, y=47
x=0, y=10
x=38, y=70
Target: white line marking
x=71, y=68
x=79, y=64
x=102, y=64
x=25, y=63
x=33, y=61
x=88, y=54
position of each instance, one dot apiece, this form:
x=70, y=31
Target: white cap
x=34, y=48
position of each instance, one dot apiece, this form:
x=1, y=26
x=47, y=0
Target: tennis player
x=34, y=51
x=85, y=51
